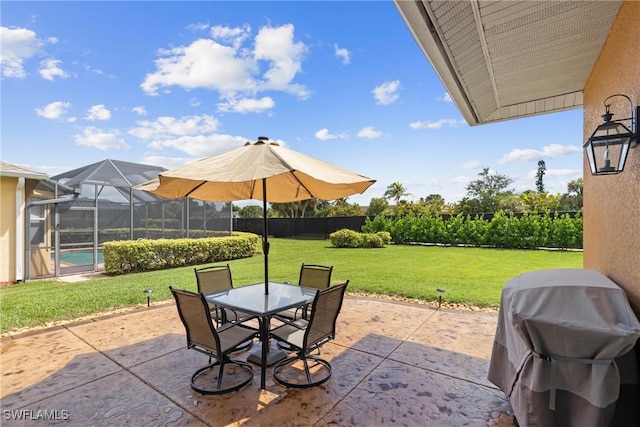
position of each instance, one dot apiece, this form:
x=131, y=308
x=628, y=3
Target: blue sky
x=165, y=83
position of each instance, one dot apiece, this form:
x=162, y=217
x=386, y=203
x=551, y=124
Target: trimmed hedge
x=144, y=255
x=346, y=238
x=504, y=230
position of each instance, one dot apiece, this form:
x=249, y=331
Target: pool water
x=81, y=257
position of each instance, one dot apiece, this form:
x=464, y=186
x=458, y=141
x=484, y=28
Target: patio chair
x=311, y=276
x=216, y=343
x=305, y=336
x=315, y=276
x=214, y=279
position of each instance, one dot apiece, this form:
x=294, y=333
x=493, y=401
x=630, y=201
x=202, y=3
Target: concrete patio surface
x=393, y=364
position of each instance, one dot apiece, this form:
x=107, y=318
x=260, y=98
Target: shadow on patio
x=393, y=364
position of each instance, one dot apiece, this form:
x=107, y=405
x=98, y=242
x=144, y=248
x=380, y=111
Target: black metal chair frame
x=319, y=329
x=214, y=336
x=306, y=271
x=221, y=315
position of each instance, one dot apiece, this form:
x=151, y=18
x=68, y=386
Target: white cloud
x=387, y=92
x=233, y=36
x=324, y=135
x=193, y=135
x=169, y=127
x=474, y=164
x=246, y=105
x=48, y=169
x=519, y=155
x=49, y=69
x=54, y=111
x=557, y=150
x=562, y=172
x=199, y=145
x=447, y=97
x=166, y=162
x=98, y=112
x=451, y=189
x=464, y=180
x=102, y=140
x=227, y=64
x=139, y=110
x=98, y=71
x=436, y=125
x=18, y=45
x=202, y=64
x=369, y=132
x=343, y=54
x=276, y=45
x=529, y=154
x=200, y=26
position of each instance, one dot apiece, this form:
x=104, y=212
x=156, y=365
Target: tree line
x=489, y=193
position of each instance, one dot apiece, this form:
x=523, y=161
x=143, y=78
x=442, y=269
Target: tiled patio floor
x=393, y=364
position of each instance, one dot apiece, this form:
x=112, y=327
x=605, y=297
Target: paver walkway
x=393, y=364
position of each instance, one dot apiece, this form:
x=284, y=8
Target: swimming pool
x=82, y=257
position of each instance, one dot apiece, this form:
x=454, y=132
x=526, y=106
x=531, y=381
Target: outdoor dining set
x=221, y=319
x=217, y=318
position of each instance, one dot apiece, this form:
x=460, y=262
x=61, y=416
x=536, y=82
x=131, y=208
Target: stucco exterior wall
x=8, y=228
x=612, y=203
x=9, y=232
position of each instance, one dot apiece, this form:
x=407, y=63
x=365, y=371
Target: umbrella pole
x=265, y=241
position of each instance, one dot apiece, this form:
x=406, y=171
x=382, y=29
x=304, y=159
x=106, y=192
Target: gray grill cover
x=558, y=347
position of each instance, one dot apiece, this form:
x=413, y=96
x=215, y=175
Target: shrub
x=474, y=231
x=379, y=223
x=498, y=232
x=385, y=236
x=530, y=230
x=345, y=238
x=371, y=240
x=454, y=234
x=503, y=230
x=145, y=255
x=564, y=234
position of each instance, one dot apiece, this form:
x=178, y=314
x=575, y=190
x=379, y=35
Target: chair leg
x=306, y=370
x=309, y=378
x=248, y=369
x=220, y=375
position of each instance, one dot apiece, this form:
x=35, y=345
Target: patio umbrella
x=261, y=171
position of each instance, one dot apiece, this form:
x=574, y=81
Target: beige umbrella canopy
x=261, y=171
x=238, y=175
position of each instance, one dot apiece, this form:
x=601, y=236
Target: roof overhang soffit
x=506, y=59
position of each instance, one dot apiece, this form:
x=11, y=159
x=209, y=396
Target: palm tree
x=396, y=191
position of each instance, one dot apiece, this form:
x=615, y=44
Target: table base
x=273, y=356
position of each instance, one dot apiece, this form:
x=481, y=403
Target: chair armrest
x=229, y=325
x=298, y=324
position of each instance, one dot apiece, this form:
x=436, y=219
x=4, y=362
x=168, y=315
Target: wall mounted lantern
x=608, y=146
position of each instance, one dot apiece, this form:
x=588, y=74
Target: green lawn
x=470, y=276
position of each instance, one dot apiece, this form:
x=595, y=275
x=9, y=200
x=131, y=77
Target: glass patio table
x=252, y=300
